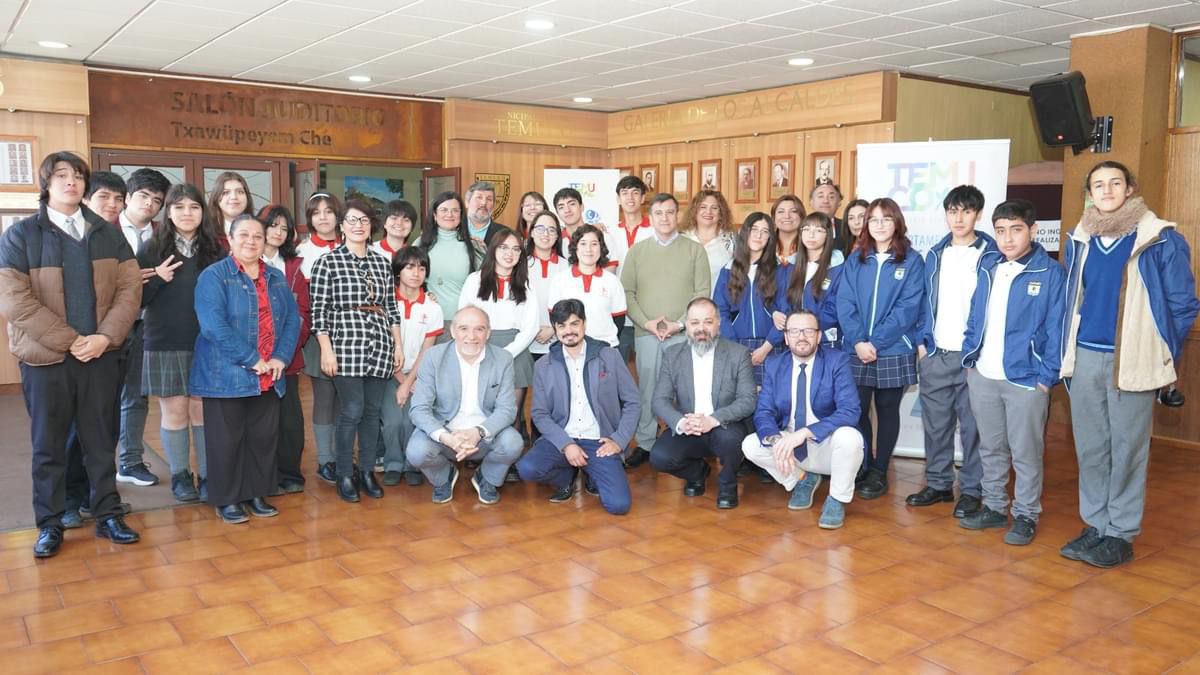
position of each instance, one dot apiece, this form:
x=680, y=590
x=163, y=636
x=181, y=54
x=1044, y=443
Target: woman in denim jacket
x=249, y=325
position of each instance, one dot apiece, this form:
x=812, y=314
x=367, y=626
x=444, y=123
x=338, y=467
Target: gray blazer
x=436, y=396
x=734, y=394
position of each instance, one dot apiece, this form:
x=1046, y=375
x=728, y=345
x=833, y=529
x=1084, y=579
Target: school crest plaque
x=502, y=181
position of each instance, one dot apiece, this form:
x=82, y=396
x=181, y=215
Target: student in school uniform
x=951, y=269
x=812, y=282
x=633, y=228
x=1011, y=348
x=545, y=265
x=747, y=291
x=591, y=280
x=399, y=219
x=421, y=322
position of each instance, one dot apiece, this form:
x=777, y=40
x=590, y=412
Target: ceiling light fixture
x=582, y=99
x=539, y=24
x=360, y=78
x=53, y=44
x=800, y=61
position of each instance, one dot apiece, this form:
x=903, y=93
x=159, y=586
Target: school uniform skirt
x=885, y=372
x=166, y=373
x=522, y=363
x=755, y=343
x=312, y=359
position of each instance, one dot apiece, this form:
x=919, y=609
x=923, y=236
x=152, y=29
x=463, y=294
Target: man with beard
x=827, y=198
x=805, y=419
x=704, y=392
x=586, y=406
x=480, y=200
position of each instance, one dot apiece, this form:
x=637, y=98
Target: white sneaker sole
x=453, y=482
x=122, y=478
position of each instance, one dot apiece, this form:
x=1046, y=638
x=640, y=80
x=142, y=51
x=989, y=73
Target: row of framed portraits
x=750, y=183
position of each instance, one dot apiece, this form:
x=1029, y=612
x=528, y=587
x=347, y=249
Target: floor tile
x=664, y=656
x=71, y=622
x=216, y=622
x=280, y=641
x=578, y=643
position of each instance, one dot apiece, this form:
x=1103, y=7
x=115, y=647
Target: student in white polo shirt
x=592, y=281
x=421, y=323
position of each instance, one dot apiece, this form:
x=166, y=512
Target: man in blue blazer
x=807, y=411
x=463, y=408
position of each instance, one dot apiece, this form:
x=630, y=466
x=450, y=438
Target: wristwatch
x=771, y=440
x=482, y=432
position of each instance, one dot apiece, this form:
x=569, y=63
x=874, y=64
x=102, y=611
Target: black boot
x=347, y=489
x=260, y=508
x=369, y=485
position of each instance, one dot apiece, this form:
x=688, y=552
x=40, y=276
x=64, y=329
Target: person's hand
x=658, y=328
x=780, y=320
x=759, y=355
x=921, y=352
x=166, y=270
x=86, y=348
x=1043, y=388
x=544, y=335
x=865, y=352
x=260, y=367
x=673, y=328
x=329, y=364
x=704, y=423
x=397, y=359
x=468, y=443
x=148, y=273
x=687, y=425
x=608, y=447
x=782, y=452
x=575, y=455
x=276, y=368
x=403, y=392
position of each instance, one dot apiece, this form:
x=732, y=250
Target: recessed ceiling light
x=360, y=78
x=539, y=24
x=52, y=44
x=800, y=61
x=582, y=99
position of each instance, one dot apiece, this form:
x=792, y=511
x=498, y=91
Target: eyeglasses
x=351, y=220
x=448, y=211
x=543, y=229
x=886, y=220
x=806, y=332
x=812, y=229
x=760, y=232
x=508, y=249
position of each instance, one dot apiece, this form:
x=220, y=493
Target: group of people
x=764, y=345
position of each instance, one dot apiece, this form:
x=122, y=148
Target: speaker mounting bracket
x=1102, y=132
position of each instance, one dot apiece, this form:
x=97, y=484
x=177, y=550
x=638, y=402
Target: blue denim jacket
x=227, y=347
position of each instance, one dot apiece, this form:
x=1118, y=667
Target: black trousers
x=291, y=432
x=887, y=414
x=57, y=397
x=240, y=437
x=683, y=456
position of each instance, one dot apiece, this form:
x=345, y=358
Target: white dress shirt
x=79, y=224
x=469, y=415
x=506, y=314
x=133, y=235
x=702, y=376
x=277, y=262
x=991, y=355
x=582, y=421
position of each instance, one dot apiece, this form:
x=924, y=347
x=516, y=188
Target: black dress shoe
x=563, y=494
x=276, y=491
x=636, y=458
x=347, y=489
x=71, y=519
x=929, y=496
x=49, y=540
x=370, y=485
x=328, y=472
x=727, y=497
x=115, y=529
x=260, y=508
x=874, y=485
x=392, y=478
x=290, y=486
x=695, y=488
x=232, y=514
x=967, y=505
x=183, y=487
x=414, y=478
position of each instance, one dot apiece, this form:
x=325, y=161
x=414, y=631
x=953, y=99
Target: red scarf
x=587, y=278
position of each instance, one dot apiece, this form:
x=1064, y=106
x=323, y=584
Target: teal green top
x=448, y=269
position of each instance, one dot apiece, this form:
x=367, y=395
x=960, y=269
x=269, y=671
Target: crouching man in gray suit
x=704, y=391
x=463, y=408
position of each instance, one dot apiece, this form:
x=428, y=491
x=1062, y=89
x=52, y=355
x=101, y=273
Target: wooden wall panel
x=944, y=111
x=43, y=86
x=508, y=122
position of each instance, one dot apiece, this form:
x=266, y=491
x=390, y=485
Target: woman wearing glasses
x=452, y=255
x=812, y=283
x=357, y=324
x=747, y=290
x=879, y=313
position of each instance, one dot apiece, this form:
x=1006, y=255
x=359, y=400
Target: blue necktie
x=801, y=420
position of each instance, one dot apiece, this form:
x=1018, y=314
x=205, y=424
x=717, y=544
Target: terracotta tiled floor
x=675, y=586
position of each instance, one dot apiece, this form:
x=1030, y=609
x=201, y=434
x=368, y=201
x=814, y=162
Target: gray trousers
x=396, y=427
x=945, y=406
x=1112, y=444
x=649, y=353
x=494, y=456
x=1012, y=432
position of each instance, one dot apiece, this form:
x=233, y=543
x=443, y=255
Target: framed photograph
x=18, y=173
x=681, y=182
x=825, y=167
x=10, y=216
x=710, y=175
x=783, y=174
x=623, y=171
x=747, y=181
x=649, y=174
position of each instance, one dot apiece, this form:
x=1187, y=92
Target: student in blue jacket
x=1010, y=347
x=811, y=284
x=879, y=314
x=747, y=290
x=1130, y=303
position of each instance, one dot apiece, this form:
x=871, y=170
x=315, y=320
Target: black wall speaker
x=1064, y=115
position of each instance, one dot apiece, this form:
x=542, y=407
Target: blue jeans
x=544, y=463
x=396, y=429
x=361, y=399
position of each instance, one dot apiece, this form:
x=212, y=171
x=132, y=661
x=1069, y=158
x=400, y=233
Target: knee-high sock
x=175, y=446
x=201, y=456
x=323, y=433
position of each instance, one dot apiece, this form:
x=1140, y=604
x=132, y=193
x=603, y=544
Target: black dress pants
x=683, y=456
x=291, y=432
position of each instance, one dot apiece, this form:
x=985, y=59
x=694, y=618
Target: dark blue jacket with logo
x=881, y=304
x=933, y=270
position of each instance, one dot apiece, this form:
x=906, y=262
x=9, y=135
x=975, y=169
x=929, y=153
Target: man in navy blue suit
x=806, y=418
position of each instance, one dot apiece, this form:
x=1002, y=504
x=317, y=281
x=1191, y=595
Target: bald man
x=463, y=408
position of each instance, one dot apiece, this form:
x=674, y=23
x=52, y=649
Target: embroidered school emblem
x=1034, y=288
x=899, y=273
x=826, y=284
x=503, y=182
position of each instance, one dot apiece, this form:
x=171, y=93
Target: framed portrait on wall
x=649, y=174
x=18, y=173
x=825, y=167
x=681, y=182
x=710, y=175
x=747, y=180
x=623, y=171
x=783, y=174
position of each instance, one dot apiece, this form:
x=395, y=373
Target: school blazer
x=732, y=382
x=833, y=396
x=438, y=392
